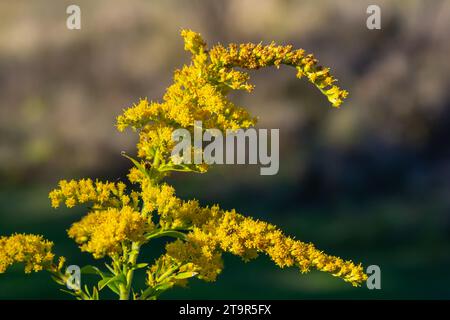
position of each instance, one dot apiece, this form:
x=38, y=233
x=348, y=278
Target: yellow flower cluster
x=199, y=92
x=246, y=237
x=154, y=135
x=121, y=222
x=100, y=194
x=202, y=258
x=139, y=114
x=135, y=175
x=215, y=230
x=173, y=212
x=32, y=250
x=255, y=56
x=104, y=232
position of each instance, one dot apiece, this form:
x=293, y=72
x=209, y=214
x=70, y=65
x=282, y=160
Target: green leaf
x=110, y=268
x=88, y=269
x=95, y=295
x=151, y=293
x=147, y=293
x=185, y=275
x=158, y=268
x=140, y=266
x=102, y=283
x=58, y=280
x=163, y=286
x=86, y=289
x=114, y=287
x=120, y=278
x=69, y=292
x=136, y=163
x=167, y=233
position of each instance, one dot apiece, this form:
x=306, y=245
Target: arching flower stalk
x=121, y=221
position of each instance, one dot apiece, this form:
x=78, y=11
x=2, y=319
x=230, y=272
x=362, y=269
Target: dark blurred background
x=369, y=182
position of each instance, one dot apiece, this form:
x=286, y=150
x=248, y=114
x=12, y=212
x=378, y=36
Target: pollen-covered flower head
x=121, y=221
x=103, y=232
x=32, y=250
x=214, y=231
x=199, y=92
x=98, y=194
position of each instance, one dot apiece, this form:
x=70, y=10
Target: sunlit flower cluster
x=104, y=232
x=199, y=91
x=215, y=231
x=99, y=194
x=246, y=237
x=173, y=212
x=120, y=221
x=255, y=56
x=205, y=261
x=31, y=250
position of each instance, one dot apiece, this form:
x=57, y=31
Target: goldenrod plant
x=122, y=218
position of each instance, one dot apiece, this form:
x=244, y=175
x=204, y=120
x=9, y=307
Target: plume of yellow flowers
x=31, y=250
x=98, y=194
x=199, y=92
x=104, y=232
x=120, y=221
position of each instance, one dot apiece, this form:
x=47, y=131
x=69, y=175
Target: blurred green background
x=369, y=182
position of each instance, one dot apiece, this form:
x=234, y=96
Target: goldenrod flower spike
x=120, y=221
x=104, y=232
x=200, y=90
x=98, y=194
x=31, y=250
x=215, y=231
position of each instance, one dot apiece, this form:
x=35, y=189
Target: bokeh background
x=369, y=182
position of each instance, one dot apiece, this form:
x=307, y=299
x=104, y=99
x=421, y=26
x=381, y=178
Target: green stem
x=156, y=159
x=124, y=294
x=128, y=271
x=130, y=263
